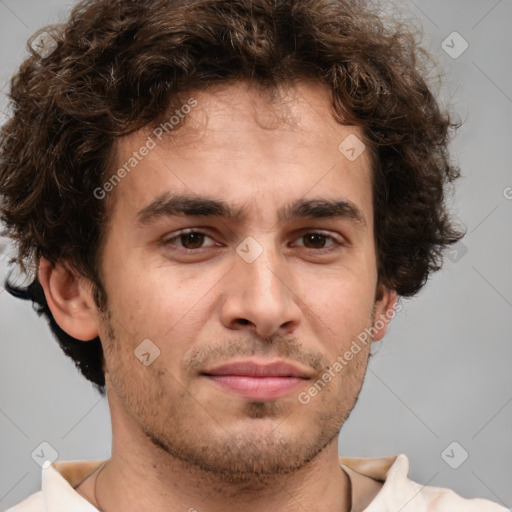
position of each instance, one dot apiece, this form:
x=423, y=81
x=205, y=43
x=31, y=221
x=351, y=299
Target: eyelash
x=167, y=242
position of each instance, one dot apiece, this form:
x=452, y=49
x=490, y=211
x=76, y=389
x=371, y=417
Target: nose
x=260, y=297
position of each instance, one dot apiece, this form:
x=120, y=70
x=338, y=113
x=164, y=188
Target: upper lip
x=259, y=369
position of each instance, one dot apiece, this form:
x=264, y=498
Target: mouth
x=255, y=380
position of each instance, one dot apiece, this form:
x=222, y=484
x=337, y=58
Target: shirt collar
x=58, y=483
x=60, y=478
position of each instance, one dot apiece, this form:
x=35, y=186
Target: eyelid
x=339, y=241
x=166, y=240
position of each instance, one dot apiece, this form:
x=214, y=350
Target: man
x=224, y=202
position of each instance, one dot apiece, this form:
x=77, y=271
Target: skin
x=180, y=442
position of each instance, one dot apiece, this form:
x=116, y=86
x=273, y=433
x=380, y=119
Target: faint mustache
x=289, y=349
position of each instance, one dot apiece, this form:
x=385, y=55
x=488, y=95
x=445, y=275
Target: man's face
x=278, y=299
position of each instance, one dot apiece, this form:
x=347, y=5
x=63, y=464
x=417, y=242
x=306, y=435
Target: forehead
x=241, y=144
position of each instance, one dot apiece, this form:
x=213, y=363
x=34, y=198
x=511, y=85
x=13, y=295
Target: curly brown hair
x=117, y=65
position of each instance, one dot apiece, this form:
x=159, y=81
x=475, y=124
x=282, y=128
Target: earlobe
x=384, y=312
x=69, y=300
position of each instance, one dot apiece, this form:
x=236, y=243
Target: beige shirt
x=378, y=485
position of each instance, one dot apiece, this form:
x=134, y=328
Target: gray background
x=442, y=374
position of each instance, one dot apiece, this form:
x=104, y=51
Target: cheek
x=340, y=316
x=160, y=303
x=344, y=301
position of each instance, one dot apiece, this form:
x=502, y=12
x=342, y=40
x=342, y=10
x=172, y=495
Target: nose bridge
x=262, y=293
x=261, y=264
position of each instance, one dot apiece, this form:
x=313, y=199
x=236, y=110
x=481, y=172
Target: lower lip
x=257, y=388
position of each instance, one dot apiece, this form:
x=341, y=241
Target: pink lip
x=258, y=381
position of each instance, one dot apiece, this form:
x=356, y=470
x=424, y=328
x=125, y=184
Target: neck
x=128, y=482
x=141, y=476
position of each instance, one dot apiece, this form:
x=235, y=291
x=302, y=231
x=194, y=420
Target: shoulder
x=410, y=496
x=440, y=499
x=399, y=492
x=34, y=503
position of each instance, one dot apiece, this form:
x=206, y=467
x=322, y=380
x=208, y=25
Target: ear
x=70, y=300
x=384, y=311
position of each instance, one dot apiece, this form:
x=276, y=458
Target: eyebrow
x=167, y=205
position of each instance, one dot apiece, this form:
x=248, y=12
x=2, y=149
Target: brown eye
x=317, y=241
x=188, y=240
x=192, y=240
